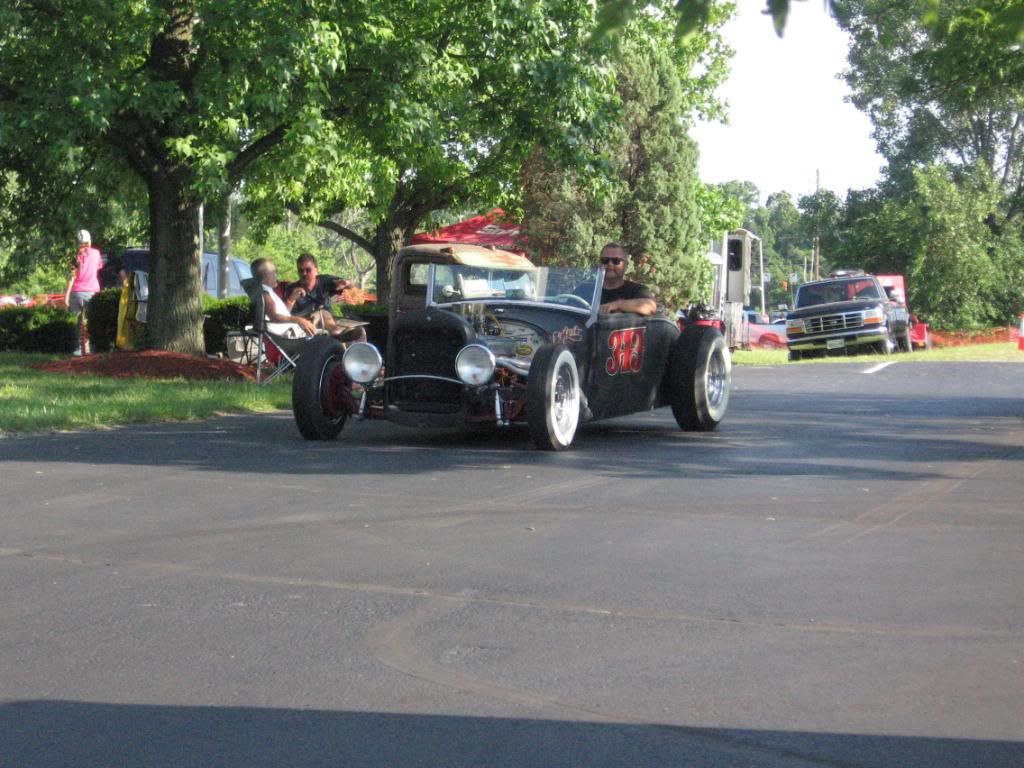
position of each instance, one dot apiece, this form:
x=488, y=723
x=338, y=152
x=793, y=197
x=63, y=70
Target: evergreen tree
x=644, y=192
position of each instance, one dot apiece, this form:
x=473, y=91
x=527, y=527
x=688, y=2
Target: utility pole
x=816, y=254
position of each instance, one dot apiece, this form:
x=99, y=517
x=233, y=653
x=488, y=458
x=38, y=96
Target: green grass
x=34, y=401
x=1002, y=352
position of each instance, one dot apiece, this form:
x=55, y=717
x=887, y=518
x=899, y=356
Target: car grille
x=829, y=323
x=428, y=352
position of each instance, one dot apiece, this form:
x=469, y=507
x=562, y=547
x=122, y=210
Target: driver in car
x=619, y=294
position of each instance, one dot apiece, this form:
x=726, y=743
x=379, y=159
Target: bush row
x=37, y=329
x=48, y=329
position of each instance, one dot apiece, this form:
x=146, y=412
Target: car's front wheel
x=700, y=375
x=885, y=346
x=321, y=390
x=553, y=398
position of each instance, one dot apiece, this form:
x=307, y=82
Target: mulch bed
x=963, y=338
x=152, y=364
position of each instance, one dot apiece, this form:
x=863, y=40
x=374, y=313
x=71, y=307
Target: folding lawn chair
x=279, y=350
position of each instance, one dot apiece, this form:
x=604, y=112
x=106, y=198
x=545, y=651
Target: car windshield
x=837, y=290
x=565, y=287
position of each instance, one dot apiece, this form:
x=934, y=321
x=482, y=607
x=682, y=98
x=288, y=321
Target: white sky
x=787, y=117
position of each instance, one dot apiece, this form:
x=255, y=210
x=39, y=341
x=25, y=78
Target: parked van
x=137, y=260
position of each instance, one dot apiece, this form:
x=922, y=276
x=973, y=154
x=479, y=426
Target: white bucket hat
x=83, y=237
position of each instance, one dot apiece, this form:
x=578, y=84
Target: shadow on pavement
x=82, y=734
x=774, y=436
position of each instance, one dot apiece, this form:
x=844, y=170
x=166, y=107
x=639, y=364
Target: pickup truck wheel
x=885, y=346
x=321, y=390
x=794, y=355
x=553, y=398
x=905, y=343
x=700, y=375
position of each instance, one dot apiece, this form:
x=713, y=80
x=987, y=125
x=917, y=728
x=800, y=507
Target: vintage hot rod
x=483, y=337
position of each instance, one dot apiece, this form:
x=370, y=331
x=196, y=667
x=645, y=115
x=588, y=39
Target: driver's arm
x=636, y=306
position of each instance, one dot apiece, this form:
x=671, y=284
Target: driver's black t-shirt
x=628, y=290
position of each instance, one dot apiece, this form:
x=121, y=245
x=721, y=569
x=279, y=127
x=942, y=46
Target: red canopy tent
x=488, y=229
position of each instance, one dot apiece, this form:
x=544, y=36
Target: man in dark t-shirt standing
x=619, y=294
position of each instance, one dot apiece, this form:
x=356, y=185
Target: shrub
x=39, y=329
x=369, y=309
x=101, y=315
x=221, y=316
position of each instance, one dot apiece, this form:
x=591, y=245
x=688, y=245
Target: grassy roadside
x=33, y=401
x=1002, y=352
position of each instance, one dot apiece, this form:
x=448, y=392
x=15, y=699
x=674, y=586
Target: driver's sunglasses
x=612, y=260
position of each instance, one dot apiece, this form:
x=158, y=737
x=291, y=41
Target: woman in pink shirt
x=83, y=284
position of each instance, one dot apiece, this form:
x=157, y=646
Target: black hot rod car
x=483, y=337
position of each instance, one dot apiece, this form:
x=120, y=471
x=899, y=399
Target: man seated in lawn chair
x=280, y=336
x=281, y=322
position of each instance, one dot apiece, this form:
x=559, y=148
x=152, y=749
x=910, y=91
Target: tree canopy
x=648, y=197
x=460, y=100
x=941, y=84
x=395, y=106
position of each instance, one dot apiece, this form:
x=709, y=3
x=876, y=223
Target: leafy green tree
x=876, y=232
x=649, y=197
x=745, y=193
x=283, y=242
x=819, y=218
x=186, y=93
x=38, y=225
x=941, y=82
x=693, y=15
x=460, y=99
x=955, y=282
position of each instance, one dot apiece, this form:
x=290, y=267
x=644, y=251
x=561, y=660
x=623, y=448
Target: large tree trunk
x=391, y=235
x=174, y=319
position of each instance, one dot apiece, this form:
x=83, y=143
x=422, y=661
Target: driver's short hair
x=614, y=246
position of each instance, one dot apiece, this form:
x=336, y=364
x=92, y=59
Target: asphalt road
x=834, y=578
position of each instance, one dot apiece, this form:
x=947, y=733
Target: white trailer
x=731, y=257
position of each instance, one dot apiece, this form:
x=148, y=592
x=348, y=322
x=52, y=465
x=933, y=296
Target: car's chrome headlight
x=795, y=326
x=475, y=364
x=362, y=362
x=874, y=316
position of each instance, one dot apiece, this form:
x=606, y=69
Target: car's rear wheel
x=700, y=376
x=553, y=398
x=321, y=390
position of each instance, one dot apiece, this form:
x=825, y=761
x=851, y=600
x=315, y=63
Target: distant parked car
x=767, y=335
x=137, y=260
